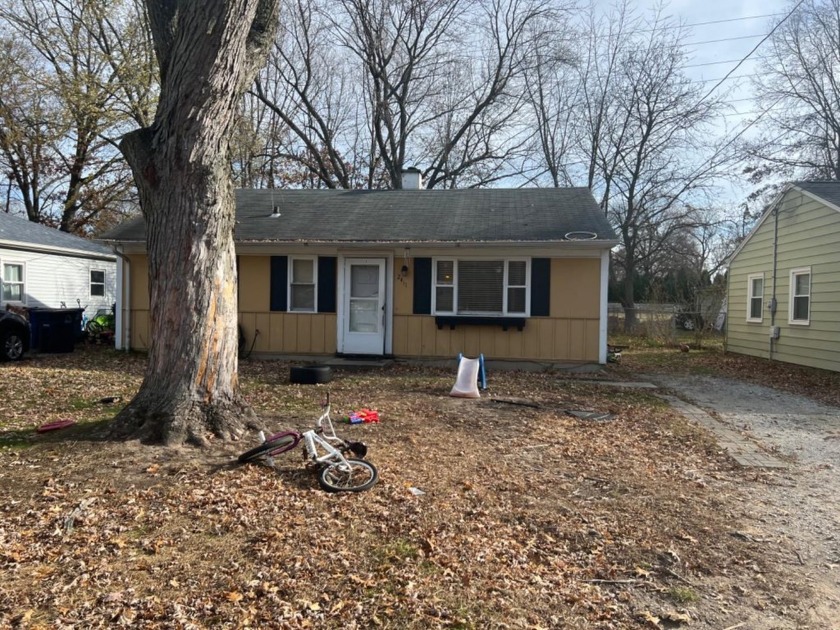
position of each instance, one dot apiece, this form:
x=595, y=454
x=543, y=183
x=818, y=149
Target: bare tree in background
x=484, y=135
x=798, y=85
x=434, y=83
x=312, y=89
x=91, y=65
x=645, y=138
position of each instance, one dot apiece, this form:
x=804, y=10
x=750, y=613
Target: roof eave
x=594, y=243
x=52, y=249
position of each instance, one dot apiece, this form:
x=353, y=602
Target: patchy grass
x=683, y=595
x=530, y=517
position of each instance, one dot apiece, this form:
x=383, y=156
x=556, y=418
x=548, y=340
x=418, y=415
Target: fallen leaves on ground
x=528, y=517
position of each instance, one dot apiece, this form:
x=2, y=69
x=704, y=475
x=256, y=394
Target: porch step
x=356, y=363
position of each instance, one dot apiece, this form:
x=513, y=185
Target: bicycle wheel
x=274, y=445
x=337, y=477
x=94, y=327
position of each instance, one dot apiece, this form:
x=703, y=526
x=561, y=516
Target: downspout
x=773, y=301
x=123, y=323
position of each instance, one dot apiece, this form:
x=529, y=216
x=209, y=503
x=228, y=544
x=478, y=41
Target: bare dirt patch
x=530, y=517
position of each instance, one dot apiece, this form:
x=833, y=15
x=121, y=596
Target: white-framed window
x=303, y=284
x=755, y=297
x=14, y=288
x=481, y=286
x=97, y=283
x=800, y=296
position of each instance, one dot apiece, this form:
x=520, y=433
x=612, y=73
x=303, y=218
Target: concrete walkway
x=743, y=450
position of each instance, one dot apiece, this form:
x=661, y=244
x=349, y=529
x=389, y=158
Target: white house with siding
x=784, y=280
x=41, y=267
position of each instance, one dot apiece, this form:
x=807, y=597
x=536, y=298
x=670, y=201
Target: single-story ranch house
x=784, y=280
x=515, y=274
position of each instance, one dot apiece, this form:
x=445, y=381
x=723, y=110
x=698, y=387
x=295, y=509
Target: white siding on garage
x=52, y=279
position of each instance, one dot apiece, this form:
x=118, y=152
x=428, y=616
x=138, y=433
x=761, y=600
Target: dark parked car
x=14, y=336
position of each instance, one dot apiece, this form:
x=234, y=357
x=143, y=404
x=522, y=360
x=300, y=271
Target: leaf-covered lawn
x=530, y=517
x=709, y=358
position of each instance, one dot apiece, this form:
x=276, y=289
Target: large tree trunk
x=208, y=53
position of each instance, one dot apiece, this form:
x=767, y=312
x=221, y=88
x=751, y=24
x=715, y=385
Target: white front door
x=364, y=306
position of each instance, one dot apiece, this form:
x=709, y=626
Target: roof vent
x=275, y=212
x=412, y=178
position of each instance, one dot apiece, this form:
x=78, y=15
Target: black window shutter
x=540, y=287
x=326, y=283
x=279, y=281
x=422, y=286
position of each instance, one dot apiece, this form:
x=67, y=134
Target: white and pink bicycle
x=325, y=451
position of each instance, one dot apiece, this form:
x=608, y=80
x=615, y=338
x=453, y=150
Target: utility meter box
x=774, y=332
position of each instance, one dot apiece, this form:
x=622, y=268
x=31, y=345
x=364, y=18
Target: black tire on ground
x=361, y=476
x=281, y=444
x=11, y=345
x=310, y=375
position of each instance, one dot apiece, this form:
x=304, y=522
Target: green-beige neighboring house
x=784, y=280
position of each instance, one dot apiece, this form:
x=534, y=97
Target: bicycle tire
x=94, y=327
x=361, y=476
x=275, y=445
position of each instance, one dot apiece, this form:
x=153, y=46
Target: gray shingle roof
x=828, y=190
x=20, y=231
x=418, y=216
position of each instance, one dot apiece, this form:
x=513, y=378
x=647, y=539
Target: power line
x=740, y=76
x=717, y=63
x=747, y=56
x=727, y=39
x=738, y=19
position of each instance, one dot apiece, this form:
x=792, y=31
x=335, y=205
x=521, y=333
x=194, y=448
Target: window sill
x=470, y=320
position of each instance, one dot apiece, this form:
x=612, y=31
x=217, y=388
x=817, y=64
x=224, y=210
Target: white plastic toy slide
x=466, y=384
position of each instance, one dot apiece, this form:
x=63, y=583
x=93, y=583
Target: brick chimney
x=412, y=178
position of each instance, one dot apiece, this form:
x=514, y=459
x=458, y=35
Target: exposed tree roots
x=182, y=422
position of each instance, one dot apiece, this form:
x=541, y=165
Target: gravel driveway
x=799, y=504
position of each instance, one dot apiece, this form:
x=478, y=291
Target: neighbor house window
x=302, y=284
x=755, y=297
x=97, y=283
x=481, y=287
x=13, y=289
x=800, y=296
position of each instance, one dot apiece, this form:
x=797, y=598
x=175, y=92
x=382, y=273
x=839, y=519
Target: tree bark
x=208, y=54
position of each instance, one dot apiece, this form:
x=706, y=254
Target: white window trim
x=453, y=286
x=91, y=282
x=801, y=271
x=314, y=308
x=18, y=263
x=750, y=297
x=506, y=260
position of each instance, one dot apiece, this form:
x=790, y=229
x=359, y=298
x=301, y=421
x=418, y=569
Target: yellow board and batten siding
x=571, y=333
x=808, y=236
